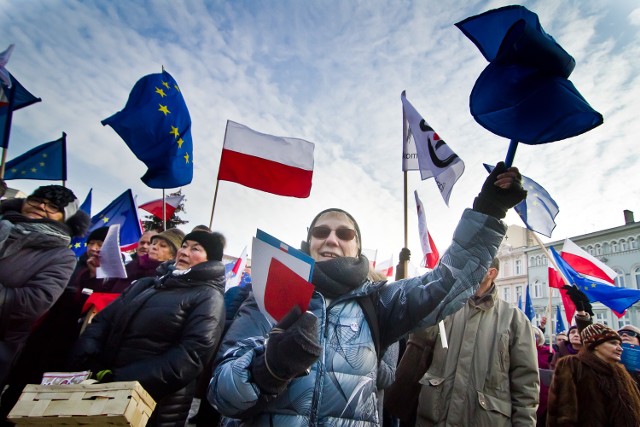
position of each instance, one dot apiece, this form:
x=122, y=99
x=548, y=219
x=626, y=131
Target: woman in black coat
x=162, y=331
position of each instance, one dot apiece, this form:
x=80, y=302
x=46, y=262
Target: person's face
x=609, y=351
x=560, y=338
x=574, y=338
x=333, y=236
x=93, y=247
x=191, y=253
x=628, y=336
x=160, y=250
x=37, y=208
x=144, y=243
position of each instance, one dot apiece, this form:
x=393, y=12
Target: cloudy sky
x=330, y=72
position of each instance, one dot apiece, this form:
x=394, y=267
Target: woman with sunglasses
x=320, y=367
x=35, y=262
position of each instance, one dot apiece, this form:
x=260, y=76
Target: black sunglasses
x=322, y=232
x=628, y=333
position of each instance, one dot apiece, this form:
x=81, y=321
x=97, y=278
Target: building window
x=537, y=289
x=614, y=247
x=506, y=294
x=598, y=249
x=619, y=281
x=624, y=321
x=554, y=293
x=544, y=260
x=601, y=318
x=606, y=249
x=623, y=245
x=538, y=260
x=590, y=250
x=518, y=267
x=532, y=262
x=633, y=243
x=636, y=276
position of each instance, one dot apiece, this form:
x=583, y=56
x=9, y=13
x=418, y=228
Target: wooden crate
x=109, y=404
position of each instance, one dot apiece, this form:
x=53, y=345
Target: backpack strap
x=367, y=303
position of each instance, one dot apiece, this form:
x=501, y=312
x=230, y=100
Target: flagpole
x=164, y=212
x=406, y=190
x=555, y=265
x=4, y=159
x=215, y=193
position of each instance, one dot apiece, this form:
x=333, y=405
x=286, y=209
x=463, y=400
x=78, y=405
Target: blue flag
x=122, y=211
x=528, y=306
x=47, y=161
x=538, y=211
x=520, y=303
x=156, y=125
x=12, y=99
x=559, y=321
x=79, y=244
x=524, y=93
x=617, y=299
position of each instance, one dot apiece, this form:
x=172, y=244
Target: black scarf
x=17, y=232
x=338, y=276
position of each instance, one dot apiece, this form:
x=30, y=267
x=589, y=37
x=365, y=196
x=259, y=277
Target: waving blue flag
x=528, y=306
x=79, y=244
x=122, y=211
x=47, y=161
x=156, y=125
x=559, y=321
x=12, y=99
x=617, y=299
x=538, y=210
x=523, y=94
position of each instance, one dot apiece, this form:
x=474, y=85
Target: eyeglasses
x=322, y=232
x=49, y=207
x=628, y=333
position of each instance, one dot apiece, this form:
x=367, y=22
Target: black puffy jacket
x=161, y=332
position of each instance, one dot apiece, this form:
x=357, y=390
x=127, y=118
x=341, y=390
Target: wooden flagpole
x=215, y=193
x=164, y=212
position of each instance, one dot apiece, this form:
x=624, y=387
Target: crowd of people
x=439, y=349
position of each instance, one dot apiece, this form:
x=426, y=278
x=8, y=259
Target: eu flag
x=524, y=93
x=538, y=210
x=12, y=99
x=528, y=306
x=79, y=244
x=559, y=322
x=156, y=125
x=47, y=161
x=122, y=211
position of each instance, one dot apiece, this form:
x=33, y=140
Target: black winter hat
x=212, y=242
x=98, y=234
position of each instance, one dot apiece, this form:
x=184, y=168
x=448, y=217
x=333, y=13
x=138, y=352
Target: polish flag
x=277, y=165
x=385, y=267
x=237, y=270
x=429, y=250
x=556, y=281
x=154, y=207
x=586, y=264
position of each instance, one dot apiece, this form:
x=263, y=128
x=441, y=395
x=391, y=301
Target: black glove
x=292, y=347
x=405, y=254
x=496, y=201
x=579, y=299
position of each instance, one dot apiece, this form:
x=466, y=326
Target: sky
x=330, y=72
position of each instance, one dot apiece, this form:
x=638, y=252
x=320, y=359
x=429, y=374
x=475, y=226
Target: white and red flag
x=154, y=207
x=277, y=165
x=385, y=266
x=429, y=250
x=236, y=272
x=586, y=264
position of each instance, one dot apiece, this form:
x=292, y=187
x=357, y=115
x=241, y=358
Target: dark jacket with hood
x=160, y=332
x=35, y=265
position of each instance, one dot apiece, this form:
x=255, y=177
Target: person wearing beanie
x=630, y=335
x=592, y=388
x=35, y=262
x=319, y=366
x=162, y=331
x=165, y=245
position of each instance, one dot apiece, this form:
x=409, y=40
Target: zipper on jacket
x=319, y=382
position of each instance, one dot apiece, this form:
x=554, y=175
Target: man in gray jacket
x=488, y=375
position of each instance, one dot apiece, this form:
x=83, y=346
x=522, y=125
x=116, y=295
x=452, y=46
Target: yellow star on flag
x=165, y=84
x=176, y=88
x=164, y=109
x=174, y=131
x=77, y=245
x=45, y=155
x=186, y=157
x=14, y=170
x=41, y=163
x=105, y=219
x=34, y=170
x=160, y=92
x=180, y=141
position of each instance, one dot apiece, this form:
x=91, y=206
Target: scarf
x=338, y=276
x=617, y=386
x=18, y=231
